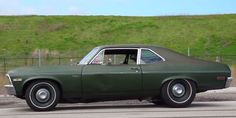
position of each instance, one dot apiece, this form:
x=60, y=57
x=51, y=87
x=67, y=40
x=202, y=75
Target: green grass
x=76, y=35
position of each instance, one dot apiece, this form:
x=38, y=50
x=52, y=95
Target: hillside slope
x=76, y=35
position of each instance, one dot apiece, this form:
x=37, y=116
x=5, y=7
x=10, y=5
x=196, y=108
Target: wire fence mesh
x=9, y=63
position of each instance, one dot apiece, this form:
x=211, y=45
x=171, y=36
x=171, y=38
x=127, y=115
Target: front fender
x=30, y=79
x=43, y=78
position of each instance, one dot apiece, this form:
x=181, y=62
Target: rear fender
x=179, y=77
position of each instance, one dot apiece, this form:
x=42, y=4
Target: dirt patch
x=3, y=81
x=228, y=94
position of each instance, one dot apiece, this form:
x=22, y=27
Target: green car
x=119, y=72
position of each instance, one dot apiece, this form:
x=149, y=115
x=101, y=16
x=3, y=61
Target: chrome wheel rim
x=42, y=95
x=178, y=90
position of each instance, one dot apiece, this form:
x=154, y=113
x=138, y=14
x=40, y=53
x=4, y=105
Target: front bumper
x=10, y=89
x=228, y=82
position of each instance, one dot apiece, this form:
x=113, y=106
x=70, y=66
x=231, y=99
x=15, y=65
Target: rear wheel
x=42, y=95
x=178, y=93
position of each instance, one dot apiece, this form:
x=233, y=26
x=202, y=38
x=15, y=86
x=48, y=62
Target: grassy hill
x=20, y=36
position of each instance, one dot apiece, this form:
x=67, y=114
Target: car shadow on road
x=117, y=106
x=86, y=107
x=105, y=107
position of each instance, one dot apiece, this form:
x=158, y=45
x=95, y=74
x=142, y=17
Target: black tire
x=178, y=93
x=42, y=95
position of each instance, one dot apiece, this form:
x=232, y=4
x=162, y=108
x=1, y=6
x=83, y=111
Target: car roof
x=169, y=55
x=128, y=46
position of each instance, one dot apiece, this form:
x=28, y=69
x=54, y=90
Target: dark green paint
x=125, y=81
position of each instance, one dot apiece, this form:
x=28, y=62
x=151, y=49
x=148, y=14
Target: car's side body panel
x=111, y=80
x=124, y=81
x=155, y=76
x=67, y=77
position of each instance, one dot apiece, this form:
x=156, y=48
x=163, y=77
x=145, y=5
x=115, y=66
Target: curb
x=226, y=90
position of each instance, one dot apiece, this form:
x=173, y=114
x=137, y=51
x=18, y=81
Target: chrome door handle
x=134, y=68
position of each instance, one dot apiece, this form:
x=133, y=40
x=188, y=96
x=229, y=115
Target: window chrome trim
x=139, y=56
x=163, y=59
x=137, y=61
x=101, y=51
x=89, y=58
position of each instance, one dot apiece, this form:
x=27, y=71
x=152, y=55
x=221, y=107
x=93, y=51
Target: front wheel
x=178, y=93
x=42, y=95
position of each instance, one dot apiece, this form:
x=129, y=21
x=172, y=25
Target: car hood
x=46, y=70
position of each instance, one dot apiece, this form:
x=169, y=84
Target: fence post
x=39, y=57
x=32, y=61
x=26, y=61
x=189, y=51
x=59, y=60
x=218, y=59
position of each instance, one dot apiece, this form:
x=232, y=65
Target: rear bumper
x=228, y=82
x=10, y=89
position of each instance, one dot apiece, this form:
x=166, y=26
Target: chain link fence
x=11, y=63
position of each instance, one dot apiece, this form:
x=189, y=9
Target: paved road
x=16, y=108
x=197, y=109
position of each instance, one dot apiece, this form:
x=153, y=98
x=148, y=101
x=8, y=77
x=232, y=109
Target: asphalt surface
x=196, y=110
x=217, y=103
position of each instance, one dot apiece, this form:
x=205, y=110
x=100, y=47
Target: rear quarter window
x=149, y=57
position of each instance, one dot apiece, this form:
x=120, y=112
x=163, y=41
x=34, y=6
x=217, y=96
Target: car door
x=153, y=70
x=112, y=73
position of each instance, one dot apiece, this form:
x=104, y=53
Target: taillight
x=221, y=78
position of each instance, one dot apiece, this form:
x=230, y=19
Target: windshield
x=86, y=59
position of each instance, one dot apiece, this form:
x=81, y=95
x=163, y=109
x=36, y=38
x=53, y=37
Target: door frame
x=138, y=53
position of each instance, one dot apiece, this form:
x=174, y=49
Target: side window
x=113, y=59
x=116, y=57
x=148, y=57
